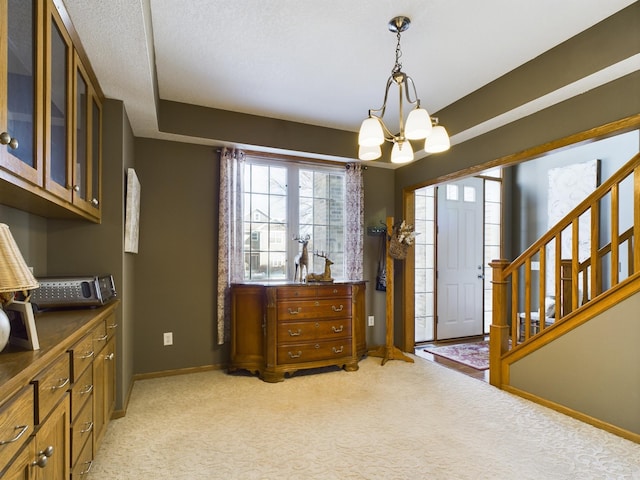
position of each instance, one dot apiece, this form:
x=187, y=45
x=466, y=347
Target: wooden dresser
x=277, y=329
x=56, y=402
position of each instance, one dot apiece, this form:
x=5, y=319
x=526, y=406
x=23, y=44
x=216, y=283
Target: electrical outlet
x=371, y=321
x=168, y=338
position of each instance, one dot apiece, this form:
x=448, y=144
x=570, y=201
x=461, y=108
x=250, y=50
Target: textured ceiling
x=317, y=62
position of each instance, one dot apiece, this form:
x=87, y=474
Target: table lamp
x=15, y=276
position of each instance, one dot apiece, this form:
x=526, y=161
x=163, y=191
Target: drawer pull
x=90, y=463
x=335, y=290
x=110, y=356
x=65, y=382
x=338, y=350
x=87, y=355
x=89, y=428
x=102, y=338
x=295, y=334
x=295, y=355
x=22, y=428
x=113, y=325
x=337, y=330
x=43, y=457
x=87, y=389
x=295, y=312
x=337, y=309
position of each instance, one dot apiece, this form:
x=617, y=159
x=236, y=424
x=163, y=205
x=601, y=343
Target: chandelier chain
x=398, y=66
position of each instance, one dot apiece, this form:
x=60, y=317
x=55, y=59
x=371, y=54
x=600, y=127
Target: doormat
x=474, y=355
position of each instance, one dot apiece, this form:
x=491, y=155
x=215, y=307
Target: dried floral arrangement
x=402, y=237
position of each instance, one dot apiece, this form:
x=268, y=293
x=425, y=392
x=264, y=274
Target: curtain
x=354, y=237
x=230, y=215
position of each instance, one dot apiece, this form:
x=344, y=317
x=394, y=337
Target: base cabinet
x=55, y=406
x=279, y=329
x=52, y=444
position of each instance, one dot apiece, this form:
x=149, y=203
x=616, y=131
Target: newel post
x=499, y=330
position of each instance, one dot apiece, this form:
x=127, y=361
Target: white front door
x=460, y=259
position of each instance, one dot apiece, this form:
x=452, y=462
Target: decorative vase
x=5, y=329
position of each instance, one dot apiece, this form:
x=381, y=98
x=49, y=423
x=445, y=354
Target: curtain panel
x=230, y=215
x=354, y=225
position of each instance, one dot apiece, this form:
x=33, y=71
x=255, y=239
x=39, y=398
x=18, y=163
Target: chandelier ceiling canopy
x=418, y=126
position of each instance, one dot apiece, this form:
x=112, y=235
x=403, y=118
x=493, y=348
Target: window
x=284, y=200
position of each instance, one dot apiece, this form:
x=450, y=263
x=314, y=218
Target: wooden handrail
x=572, y=277
x=600, y=192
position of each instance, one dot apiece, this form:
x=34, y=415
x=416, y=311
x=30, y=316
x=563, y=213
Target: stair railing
x=522, y=308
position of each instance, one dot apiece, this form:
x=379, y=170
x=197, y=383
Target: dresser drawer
x=81, y=431
x=309, y=330
x=297, y=291
x=82, y=354
x=50, y=386
x=81, y=391
x=16, y=423
x=333, y=290
x=325, y=308
x=314, y=351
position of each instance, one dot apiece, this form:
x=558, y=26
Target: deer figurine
x=326, y=275
x=302, y=259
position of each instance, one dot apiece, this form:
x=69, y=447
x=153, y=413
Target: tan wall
x=594, y=369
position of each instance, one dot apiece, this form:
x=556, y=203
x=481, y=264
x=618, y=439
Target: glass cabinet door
x=58, y=178
x=20, y=113
x=87, y=124
x=81, y=133
x=96, y=152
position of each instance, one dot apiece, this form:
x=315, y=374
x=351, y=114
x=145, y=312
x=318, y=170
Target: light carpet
x=397, y=421
x=472, y=354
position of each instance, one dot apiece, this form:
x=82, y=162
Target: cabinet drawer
x=81, y=431
x=16, y=423
x=310, y=352
x=84, y=462
x=325, y=308
x=289, y=332
x=50, y=386
x=100, y=336
x=81, y=391
x=82, y=354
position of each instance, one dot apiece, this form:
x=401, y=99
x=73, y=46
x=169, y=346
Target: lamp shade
x=402, y=152
x=370, y=133
x=438, y=141
x=418, y=124
x=15, y=276
x=369, y=153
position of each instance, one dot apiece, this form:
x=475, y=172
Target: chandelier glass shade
x=419, y=124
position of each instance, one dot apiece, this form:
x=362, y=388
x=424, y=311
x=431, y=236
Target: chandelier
x=419, y=125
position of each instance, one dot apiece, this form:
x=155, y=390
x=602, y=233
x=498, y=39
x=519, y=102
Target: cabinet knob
x=41, y=461
x=76, y=188
x=94, y=202
x=43, y=457
x=5, y=139
x=110, y=356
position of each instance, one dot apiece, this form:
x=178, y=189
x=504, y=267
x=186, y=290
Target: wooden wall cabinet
x=50, y=115
x=58, y=402
x=280, y=329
